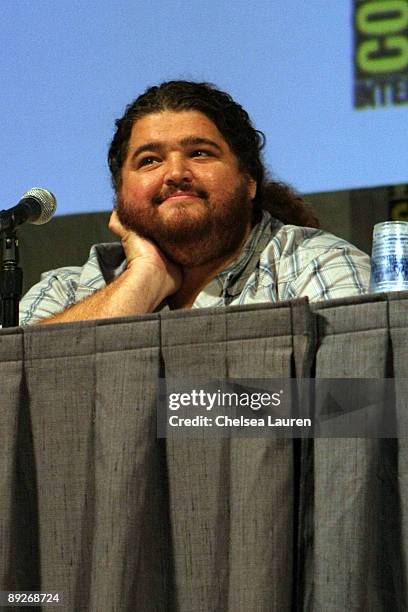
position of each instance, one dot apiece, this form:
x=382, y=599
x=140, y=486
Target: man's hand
x=149, y=278
x=143, y=254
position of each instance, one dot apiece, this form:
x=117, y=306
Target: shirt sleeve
x=52, y=295
x=337, y=272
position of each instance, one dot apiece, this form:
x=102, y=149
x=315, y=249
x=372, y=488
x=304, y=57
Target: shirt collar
x=231, y=281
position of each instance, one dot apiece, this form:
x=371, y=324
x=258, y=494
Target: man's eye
x=147, y=161
x=201, y=153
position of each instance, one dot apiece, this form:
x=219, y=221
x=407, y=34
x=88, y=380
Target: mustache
x=168, y=191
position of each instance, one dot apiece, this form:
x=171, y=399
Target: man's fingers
x=135, y=246
x=142, y=251
x=115, y=225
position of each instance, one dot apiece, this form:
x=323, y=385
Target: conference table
x=95, y=507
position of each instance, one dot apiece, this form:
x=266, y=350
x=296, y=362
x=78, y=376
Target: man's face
x=182, y=187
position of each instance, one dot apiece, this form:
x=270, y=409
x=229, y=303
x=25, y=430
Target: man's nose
x=177, y=170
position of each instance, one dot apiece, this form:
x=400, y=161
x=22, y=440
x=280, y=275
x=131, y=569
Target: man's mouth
x=181, y=195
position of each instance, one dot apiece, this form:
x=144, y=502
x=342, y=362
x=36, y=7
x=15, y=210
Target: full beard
x=192, y=234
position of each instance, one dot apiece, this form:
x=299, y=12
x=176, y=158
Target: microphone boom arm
x=36, y=206
x=11, y=279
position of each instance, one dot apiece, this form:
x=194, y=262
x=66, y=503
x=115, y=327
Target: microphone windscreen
x=47, y=202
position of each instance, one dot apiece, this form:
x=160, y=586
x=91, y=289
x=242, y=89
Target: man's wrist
x=156, y=284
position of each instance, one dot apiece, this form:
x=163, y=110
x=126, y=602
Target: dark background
x=66, y=240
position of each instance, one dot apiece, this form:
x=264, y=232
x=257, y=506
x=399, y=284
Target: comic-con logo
x=380, y=53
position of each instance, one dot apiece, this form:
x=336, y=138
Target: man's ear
x=252, y=186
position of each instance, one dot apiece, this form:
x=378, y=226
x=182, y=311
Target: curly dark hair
x=234, y=124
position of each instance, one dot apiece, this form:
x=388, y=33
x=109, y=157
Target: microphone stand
x=11, y=279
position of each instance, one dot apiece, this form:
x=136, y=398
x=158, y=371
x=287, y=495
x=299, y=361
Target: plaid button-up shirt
x=278, y=262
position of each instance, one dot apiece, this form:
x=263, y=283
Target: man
x=193, y=212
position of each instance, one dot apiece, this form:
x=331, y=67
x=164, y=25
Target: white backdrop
x=68, y=68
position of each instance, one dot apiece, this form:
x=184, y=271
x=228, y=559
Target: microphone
x=36, y=206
